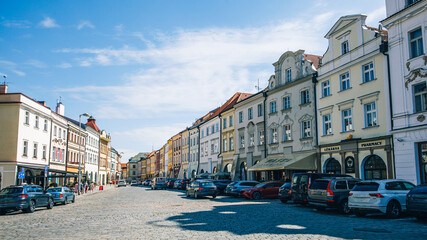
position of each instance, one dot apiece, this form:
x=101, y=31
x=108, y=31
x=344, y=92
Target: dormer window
x=344, y=48
x=288, y=76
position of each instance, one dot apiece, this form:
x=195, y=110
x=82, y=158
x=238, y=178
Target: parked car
x=263, y=190
x=235, y=188
x=158, y=183
x=134, y=183
x=121, y=183
x=416, y=202
x=170, y=182
x=386, y=196
x=284, y=192
x=62, y=195
x=302, y=181
x=147, y=182
x=26, y=198
x=201, y=188
x=181, y=183
x=221, y=185
x=331, y=193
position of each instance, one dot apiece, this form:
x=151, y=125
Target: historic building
x=228, y=143
x=185, y=154
x=162, y=161
x=194, y=149
x=104, y=146
x=25, y=127
x=353, y=102
x=289, y=119
x=76, y=148
x=169, y=164
x=406, y=23
x=92, y=150
x=57, y=166
x=176, y=154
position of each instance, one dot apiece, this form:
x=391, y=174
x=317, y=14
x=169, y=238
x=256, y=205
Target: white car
x=122, y=183
x=385, y=196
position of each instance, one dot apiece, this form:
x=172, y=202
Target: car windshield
x=206, y=184
x=366, y=187
x=11, y=190
x=259, y=185
x=319, y=184
x=286, y=185
x=54, y=190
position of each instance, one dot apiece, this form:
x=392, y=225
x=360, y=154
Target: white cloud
x=17, y=23
x=64, y=65
x=84, y=24
x=19, y=73
x=48, y=22
x=375, y=16
x=36, y=63
x=119, y=27
x=11, y=66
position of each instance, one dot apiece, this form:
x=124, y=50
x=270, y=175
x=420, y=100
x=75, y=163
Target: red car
x=263, y=190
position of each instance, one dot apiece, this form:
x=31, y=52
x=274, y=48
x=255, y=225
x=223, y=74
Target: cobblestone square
x=141, y=213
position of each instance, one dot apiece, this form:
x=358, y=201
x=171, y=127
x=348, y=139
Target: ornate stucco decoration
x=421, y=118
x=419, y=72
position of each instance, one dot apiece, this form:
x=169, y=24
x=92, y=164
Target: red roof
x=233, y=100
x=315, y=59
x=91, y=123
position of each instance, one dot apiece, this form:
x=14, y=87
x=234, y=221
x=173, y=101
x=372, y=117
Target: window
x=231, y=144
x=230, y=120
x=327, y=124
x=347, y=121
x=216, y=127
x=288, y=75
x=287, y=133
x=242, y=141
x=54, y=131
x=44, y=152
x=286, y=102
x=53, y=153
x=261, y=137
x=420, y=97
x=63, y=136
x=273, y=107
x=305, y=97
x=250, y=113
x=25, y=149
x=213, y=128
x=45, y=125
x=207, y=131
x=416, y=43
x=36, y=123
x=240, y=117
x=344, y=48
x=224, y=123
x=27, y=118
x=368, y=72
x=273, y=135
x=251, y=140
x=345, y=81
x=326, y=88
x=224, y=145
x=59, y=132
x=370, y=115
x=203, y=133
x=260, y=110
x=35, y=150
x=340, y=185
x=306, y=129
x=58, y=154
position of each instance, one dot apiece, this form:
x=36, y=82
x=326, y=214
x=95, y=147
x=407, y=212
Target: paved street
x=140, y=213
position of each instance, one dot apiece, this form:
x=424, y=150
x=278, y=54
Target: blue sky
x=147, y=69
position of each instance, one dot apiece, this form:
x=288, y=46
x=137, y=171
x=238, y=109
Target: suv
x=331, y=193
x=158, y=183
x=386, y=196
x=25, y=198
x=201, y=188
x=302, y=181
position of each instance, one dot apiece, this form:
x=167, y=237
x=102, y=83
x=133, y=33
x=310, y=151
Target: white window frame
x=373, y=113
x=346, y=118
x=251, y=140
x=224, y=123
x=250, y=113
x=27, y=118
x=230, y=121
x=306, y=129
x=25, y=148
x=231, y=142
x=242, y=141
x=286, y=102
x=305, y=96
x=260, y=110
x=327, y=124
x=240, y=117
x=345, y=81
x=418, y=42
x=288, y=75
x=287, y=132
x=273, y=107
x=35, y=149
x=261, y=137
x=326, y=88
x=422, y=96
x=273, y=136
x=370, y=72
x=345, y=48
x=36, y=122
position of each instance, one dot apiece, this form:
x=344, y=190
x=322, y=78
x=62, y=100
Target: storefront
x=368, y=159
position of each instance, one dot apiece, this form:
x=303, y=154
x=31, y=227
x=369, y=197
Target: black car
x=26, y=198
x=331, y=193
x=416, y=202
x=284, y=194
x=202, y=188
x=170, y=182
x=302, y=181
x=221, y=185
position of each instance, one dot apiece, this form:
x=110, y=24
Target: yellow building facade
x=227, y=141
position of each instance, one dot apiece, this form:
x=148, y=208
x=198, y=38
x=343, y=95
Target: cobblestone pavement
x=141, y=213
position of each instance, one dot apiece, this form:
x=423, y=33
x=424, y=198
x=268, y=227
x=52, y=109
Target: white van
x=158, y=183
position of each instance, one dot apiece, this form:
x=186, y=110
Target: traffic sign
x=21, y=175
x=45, y=170
x=22, y=169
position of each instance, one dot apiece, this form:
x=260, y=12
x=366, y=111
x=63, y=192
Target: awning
x=294, y=161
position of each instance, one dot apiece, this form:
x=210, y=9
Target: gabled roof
x=343, y=22
x=230, y=103
x=75, y=122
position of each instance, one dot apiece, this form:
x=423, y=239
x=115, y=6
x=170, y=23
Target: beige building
x=104, y=146
x=228, y=143
x=185, y=154
x=353, y=110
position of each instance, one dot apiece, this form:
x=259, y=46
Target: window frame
x=273, y=136
x=287, y=132
x=305, y=96
x=350, y=116
x=373, y=112
x=345, y=47
x=371, y=72
x=240, y=116
x=327, y=122
x=324, y=87
x=423, y=94
x=306, y=128
x=288, y=75
x=273, y=107
x=345, y=80
x=286, y=102
x=418, y=41
x=250, y=113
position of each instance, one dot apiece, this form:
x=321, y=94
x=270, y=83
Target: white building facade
x=57, y=166
x=209, y=145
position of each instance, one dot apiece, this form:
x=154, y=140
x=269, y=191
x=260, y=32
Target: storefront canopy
x=294, y=161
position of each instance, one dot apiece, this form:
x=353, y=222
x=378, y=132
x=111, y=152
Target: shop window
x=374, y=168
x=333, y=166
x=423, y=162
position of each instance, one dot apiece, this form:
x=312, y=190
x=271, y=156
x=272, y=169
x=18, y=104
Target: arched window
x=374, y=168
x=333, y=166
x=202, y=171
x=227, y=168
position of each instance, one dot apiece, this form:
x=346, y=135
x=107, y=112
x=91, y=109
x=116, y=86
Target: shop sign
x=349, y=165
x=372, y=144
x=331, y=149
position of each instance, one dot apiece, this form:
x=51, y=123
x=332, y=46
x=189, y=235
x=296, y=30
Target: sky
x=146, y=70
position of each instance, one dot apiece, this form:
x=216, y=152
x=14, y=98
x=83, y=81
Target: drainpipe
x=220, y=141
x=66, y=153
x=264, y=94
x=314, y=80
x=50, y=148
x=198, y=153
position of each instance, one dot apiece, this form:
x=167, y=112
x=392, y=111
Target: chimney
x=60, y=108
x=3, y=89
x=90, y=119
x=42, y=103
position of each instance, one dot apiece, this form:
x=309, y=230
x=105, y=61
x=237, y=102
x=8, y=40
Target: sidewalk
x=96, y=190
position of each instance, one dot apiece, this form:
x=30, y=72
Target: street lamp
x=80, y=154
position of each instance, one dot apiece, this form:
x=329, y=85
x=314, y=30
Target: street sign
x=45, y=170
x=22, y=169
x=21, y=175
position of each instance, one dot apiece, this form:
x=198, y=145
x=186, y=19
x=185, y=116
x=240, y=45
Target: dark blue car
x=26, y=198
x=62, y=195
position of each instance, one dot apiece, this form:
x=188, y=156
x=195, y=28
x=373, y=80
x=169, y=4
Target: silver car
x=385, y=196
x=122, y=183
x=62, y=195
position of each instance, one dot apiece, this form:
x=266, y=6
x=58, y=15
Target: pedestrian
x=86, y=186
x=92, y=186
x=76, y=187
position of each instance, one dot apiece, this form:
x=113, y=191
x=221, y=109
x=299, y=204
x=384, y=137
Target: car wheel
x=256, y=195
x=393, y=209
x=65, y=202
x=74, y=199
x=359, y=213
x=50, y=203
x=31, y=207
x=196, y=195
x=186, y=194
x=213, y=196
x=283, y=200
x=344, y=209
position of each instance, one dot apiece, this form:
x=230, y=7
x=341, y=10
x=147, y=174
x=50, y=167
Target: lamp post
x=80, y=154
